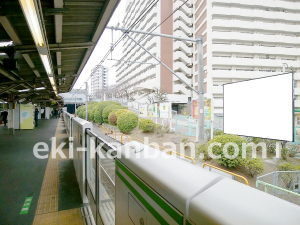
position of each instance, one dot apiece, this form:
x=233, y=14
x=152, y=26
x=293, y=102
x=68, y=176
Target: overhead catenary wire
x=128, y=31
x=140, y=17
x=152, y=4
x=149, y=32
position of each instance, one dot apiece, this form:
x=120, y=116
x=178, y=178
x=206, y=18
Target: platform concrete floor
x=21, y=173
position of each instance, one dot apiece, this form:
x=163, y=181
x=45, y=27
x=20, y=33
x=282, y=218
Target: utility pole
x=75, y=105
x=200, y=90
x=86, y=101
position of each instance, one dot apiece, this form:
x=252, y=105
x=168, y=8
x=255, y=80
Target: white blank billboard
x=260, y=108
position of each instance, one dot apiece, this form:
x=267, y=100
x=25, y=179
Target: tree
x=157, y=95
x=125, y=90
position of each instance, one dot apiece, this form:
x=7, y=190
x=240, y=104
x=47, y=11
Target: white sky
x=102, y=47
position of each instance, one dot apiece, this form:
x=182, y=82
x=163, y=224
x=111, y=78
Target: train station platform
x=37, y=191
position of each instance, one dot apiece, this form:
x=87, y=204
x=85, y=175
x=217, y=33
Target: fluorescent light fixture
x=52, y=81
x=40, y=88
x=24, y=90
x=46, y=63
x=5, y=43
x=31, y=15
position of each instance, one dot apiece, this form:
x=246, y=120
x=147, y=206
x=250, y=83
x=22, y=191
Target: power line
x=143, y=14
x=130, y=28
x=152, y=30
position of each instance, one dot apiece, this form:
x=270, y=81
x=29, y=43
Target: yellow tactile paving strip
x=47, y=210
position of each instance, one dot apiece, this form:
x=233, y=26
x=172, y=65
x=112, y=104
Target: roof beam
x=10, y=30
x=99, y=4
x=23, y=49
x=15, y=38
x=58, y=61
x=22, y=81
x=8, y=88
x=104, y=17
x=58, y=20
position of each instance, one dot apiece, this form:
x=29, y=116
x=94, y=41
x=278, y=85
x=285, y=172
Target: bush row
x=109, y=112
x=253, y=166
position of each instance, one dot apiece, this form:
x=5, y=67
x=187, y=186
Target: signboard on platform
x=165, y=110
x=26, y=116
x=195, y=109
x=207, y=109
x=143, y=110
x=152, y=110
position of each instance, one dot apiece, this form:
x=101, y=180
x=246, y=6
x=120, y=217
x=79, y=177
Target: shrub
x=218, y=132
x=120, y=112
x=127, y=122
x=92, y=107
x=218, y=150
x=284, y=153
x=146, y=125
x=185, y=142
x=288, y=167
x=157, y=126
x=288, y=178
x=203, y=149
x=161, y=130
x=81, y=112
x=98, y=113
x=108, y=109
x=253, y=166
x=112, y=119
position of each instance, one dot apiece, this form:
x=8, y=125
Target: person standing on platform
x=36, y=117
x=4, y=117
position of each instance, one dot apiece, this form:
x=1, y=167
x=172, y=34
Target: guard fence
x=282, y=184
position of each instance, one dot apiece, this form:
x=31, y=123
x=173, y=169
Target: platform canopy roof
x=51, y=40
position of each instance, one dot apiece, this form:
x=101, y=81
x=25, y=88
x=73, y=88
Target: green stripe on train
x=156, y=198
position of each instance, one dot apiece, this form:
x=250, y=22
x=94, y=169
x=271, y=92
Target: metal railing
x=283, y=184
x=226, y=171
x=108, y=132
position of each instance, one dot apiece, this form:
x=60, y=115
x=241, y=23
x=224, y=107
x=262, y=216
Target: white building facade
x=241, y=40
x=143, y=77
x=245, y=40
x=99, y=79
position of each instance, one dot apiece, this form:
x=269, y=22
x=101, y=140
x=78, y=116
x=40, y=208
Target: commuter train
x=128, y=185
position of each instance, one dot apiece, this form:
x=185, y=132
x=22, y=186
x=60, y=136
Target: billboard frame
x=293, y=106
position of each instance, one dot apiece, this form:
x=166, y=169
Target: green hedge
x=98, y=112
x=120, y=112
x=218, y=150
x=80, y=112
x=108, y=109
x=127, y=122
x=253, y=166
x=92, y=107
x=146, y=125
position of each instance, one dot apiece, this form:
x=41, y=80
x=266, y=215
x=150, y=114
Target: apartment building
x=242, y=40
x=146, y=74
x=245, y=40
x=99, y=79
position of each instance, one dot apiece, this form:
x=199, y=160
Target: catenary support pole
x=200, y=90
x=201, y=130
x=86, y=103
